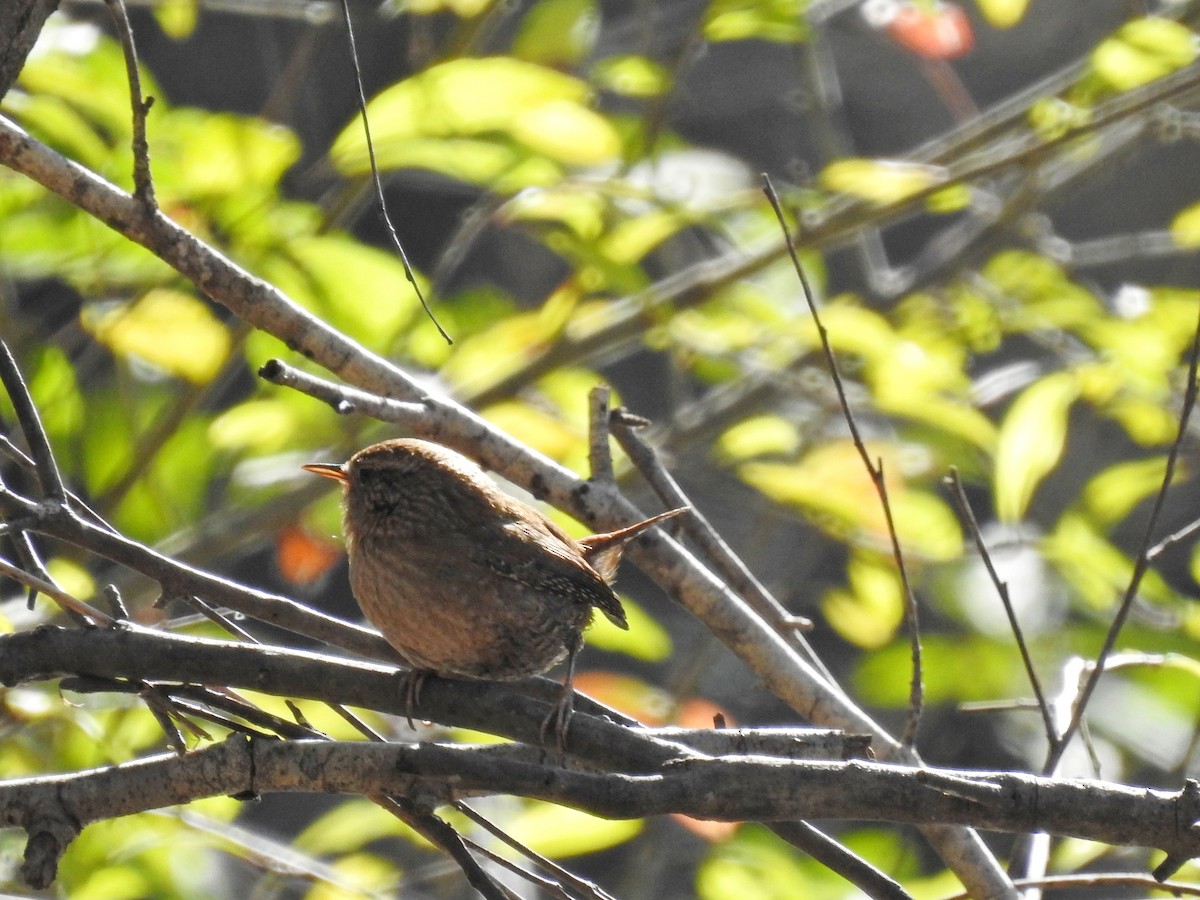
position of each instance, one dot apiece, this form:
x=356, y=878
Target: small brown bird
x=464, y=580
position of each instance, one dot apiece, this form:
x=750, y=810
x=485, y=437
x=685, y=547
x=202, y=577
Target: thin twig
x=731, y=566
x=600, y=463
x=1141, y=563
x=563, y=876
x=65, y=601
x=143, y=183
x=874, y=469
x=837, y=858
x=968, y=515
x=383, y=210
x=31, y=426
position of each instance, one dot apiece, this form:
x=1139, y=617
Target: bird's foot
x=560, y=717
x=411, y=683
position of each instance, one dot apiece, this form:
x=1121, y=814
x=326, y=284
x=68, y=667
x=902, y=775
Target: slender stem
x=874, y=469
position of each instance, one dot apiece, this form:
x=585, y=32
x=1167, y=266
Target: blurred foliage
x=1001, y=364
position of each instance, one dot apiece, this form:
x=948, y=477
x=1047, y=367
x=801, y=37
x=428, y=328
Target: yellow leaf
x=871, y=611
x=556, y=831
x=480, y=105
x=1002, y=13
x=1031, y=441
x=1142, y=51
x=1112, y=494
x=169, y=329
x=645, y=639
x=880, y=180
x=1185, y=227
x=758, y=436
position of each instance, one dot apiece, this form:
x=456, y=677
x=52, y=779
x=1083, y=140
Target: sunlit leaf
x=1031, y=440
x=768, y=20
x=1053, y=117
x=755, y=863
x=645, y=639
x=582, y=211
x=483, y=105
x=351, y=825
x=1112, y=495
x=530, y=425
x=557, y=32
x=357, y=874
x=567, y=132
x=71, y=577
x=1185, y=227
x=1097, y=570
x=758, y=436
x=94, y=82
x=1142, y=51
x=831, y=484
x=957, y=668
x=169, y=329
x=1047, y=295
x=1002, y=13
x=357, y=288
x=632, y=239
x=466, y=9
x=558, y=832
x=633, y=76
x=61, y=126
x=217, y=155
x=177, y=18
x=879, y=180
x=869, y=613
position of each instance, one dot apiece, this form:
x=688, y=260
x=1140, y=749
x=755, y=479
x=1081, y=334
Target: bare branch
x=874, y=469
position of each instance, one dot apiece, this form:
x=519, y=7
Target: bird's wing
x=542, y=556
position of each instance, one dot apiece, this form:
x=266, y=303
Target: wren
x=464, y=580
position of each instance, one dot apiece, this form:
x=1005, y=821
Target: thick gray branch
x=723, y=788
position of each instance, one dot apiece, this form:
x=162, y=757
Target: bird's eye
x=366, y=475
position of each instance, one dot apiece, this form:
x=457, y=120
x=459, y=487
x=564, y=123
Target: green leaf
x=1031, y=441
x=957, y=668
x=1097, y=570
x=1143, y=51
x=756, y=864
x=355, y=288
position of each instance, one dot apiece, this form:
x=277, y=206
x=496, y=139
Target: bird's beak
x=336, y=471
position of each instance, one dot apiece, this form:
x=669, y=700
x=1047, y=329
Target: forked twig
x=874, y=469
